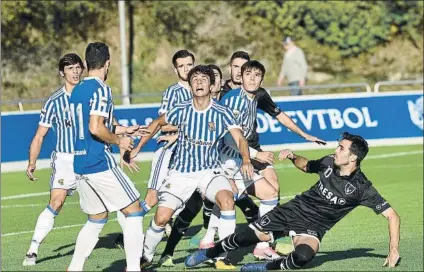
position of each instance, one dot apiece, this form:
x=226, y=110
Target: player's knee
x=56, y=203
x=161, y=219
x=303, y=254
x=225, y=200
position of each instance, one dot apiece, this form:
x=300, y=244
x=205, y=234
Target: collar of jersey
x=66, y=92
x=201, y=111
x=179, y=83
x=246, y=93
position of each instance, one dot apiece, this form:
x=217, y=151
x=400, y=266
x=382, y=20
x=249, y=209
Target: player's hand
x=142, y=131
x=126, y=143
x=30, y=172
x=128, y=162
x=172, y=138
x=247, y=170
x=392, y=259
x=315, y=139
x=266, y=156
x=286, y=154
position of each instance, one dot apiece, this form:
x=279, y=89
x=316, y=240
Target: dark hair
x=358, y=147
x=70, y=59
x=96, y=55
x=214, y=67
x=253, y=64
x=202, y=69
x=239, y=55
x=181, y=54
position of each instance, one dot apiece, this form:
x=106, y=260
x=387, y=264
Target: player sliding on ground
x=341, y=188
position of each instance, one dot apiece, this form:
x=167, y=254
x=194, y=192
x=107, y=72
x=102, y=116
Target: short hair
x=70, y=59
x=96, y=55
x=181, y=54
x=253, y=64
x=214, y=67
x=358, y=147
x=239, y=55
x=202, y=69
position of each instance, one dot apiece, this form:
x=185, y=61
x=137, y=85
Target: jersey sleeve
x=168, y=101
x=266, y=103
x=230, y=120
x=48, y=113
x=174, y=116
x=315, y=166
x=371, y=198
x=101, y=102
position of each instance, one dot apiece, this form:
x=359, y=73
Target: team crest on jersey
x=211, y=126
x=61, y=181
x=264, y=221
x=168, y=186
x=236, y=113
x=349, y=188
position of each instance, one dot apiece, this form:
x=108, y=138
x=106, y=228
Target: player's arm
x=298, y=161
x=241, y=142
x=286, y=121
x=168, y=102
x=136, y=130
x=394, y=233
x=371, y=198
x=152, y=129
x=98, y=129
x=34, y=150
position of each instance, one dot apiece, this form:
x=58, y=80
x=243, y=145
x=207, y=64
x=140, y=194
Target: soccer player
x=243, y=103
x=55, y=114
x=342, y=186
x=102, y=185
x=202, y=123
x=183, y=62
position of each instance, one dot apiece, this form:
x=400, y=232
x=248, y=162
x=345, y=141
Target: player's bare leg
x=45, y=223
x=268, y=195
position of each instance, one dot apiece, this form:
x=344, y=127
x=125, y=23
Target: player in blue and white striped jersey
x=243, y=103
x=183, y=62
x=202, y=123
x=55, y=114
x=102, y=186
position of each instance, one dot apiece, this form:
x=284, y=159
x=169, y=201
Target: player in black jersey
x=342, y=186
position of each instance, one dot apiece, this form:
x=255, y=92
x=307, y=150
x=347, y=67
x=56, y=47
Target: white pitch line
x=32, y=205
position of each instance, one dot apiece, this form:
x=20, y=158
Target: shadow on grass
x=330, y=256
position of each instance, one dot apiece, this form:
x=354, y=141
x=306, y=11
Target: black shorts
x=258, y=165
x=281, y=220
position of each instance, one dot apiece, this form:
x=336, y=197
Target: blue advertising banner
x=372, y=115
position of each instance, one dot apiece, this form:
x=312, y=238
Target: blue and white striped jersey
x=244, y=109
x=56, y=114
x=172, y=96
x=199, y=135
x=91, y=97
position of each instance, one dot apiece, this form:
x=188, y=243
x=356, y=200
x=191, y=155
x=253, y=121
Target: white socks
x=227, y=224
x=86, y=241
x=264, y=207
x=154, y=235
x=43, y=226
x=120, y=216
x=133, y=240
x=212, y=228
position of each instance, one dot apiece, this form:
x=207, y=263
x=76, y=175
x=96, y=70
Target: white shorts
x=178, y=187
x=107, y=191
x=63, y=176
x=160, y=167
x=232, y=167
